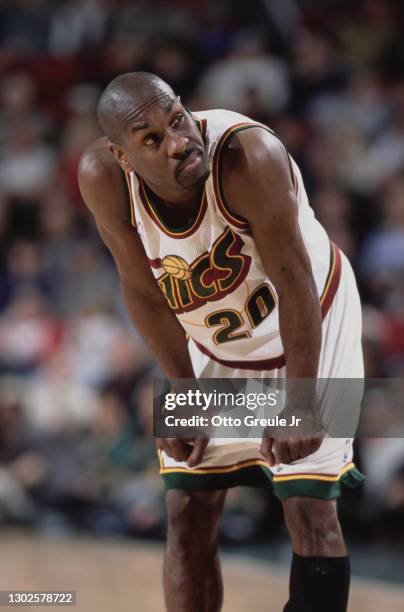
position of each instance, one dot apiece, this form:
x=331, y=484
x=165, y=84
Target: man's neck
x=177, y=199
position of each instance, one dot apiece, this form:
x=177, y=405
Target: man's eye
x=177, y=120
x=149, y=140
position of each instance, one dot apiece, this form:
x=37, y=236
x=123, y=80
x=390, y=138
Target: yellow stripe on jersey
x=131, y=202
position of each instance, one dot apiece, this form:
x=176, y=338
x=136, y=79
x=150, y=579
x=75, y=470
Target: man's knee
x=313, y=526
x=193, y=516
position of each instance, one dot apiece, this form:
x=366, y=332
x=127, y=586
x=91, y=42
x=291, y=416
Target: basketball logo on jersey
x=209, y=278
x=177, y=267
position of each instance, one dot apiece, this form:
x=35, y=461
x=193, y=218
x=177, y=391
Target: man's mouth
x=190, y=163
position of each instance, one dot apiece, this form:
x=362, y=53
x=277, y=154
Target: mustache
x=184, y=156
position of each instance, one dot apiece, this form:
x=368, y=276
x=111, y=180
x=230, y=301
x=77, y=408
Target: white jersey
x=210, y=271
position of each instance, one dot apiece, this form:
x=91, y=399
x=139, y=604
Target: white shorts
x=228, y=463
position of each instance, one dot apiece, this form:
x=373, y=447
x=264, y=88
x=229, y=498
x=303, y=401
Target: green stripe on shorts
x=261, y=476
x=303, y=487
x=252, y=476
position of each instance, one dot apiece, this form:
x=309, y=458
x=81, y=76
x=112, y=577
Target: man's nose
x=176, y=146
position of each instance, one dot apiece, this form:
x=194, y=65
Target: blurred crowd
x=76, y=448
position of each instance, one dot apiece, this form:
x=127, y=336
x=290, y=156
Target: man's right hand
x=190, y=450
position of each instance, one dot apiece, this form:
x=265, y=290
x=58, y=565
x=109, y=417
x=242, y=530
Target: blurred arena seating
x=76, y=449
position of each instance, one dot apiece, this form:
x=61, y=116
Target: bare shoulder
x=97, y=162
x=101, y=181
x=255, y=170
x=249, y=149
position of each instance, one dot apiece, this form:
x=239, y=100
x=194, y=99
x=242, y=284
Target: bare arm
x=258, y=186
x=103, y=190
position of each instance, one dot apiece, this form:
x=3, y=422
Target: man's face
x=163, y=144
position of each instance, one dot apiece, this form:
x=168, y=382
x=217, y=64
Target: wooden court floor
x=125, y=577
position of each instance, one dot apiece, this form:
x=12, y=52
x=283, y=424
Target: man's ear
x=120, y=157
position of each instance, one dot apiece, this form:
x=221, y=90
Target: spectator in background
x=334, y=209
x=29, y=333
x=368, y=165
x=317, y=68
x=362, y=105
x=367, y=31
x=94, y=337
x=335, y=98
x=24, y=26
x=19, y=101
x=59, y=231
x=89, y=283
x=382, y=257
x=24, y=271
x=80, y=129
x=177, y=62
x=123, y=52
x=55, y=400
x=77, y=24
x=375, y=325
x=27, y=162
x=4, y=237
x=118, y=460
x=23, y=467
x=248, y=80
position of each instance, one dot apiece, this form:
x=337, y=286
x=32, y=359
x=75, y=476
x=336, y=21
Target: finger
x=282, y=451
x=184, y=450
x=295, y=449
x=197, y=452
x=178, y=449
x=163, y=445
x=306, y=447
x=266, y=450
x=315, y=444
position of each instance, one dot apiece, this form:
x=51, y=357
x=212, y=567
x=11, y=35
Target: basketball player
x=208, y=221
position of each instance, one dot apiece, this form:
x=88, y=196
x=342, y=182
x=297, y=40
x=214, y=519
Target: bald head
x=127, y=96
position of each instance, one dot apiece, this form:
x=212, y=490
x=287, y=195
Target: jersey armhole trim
x=131, y=204
x=230, y=216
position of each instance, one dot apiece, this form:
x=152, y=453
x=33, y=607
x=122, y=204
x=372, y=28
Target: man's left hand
x=289, y=449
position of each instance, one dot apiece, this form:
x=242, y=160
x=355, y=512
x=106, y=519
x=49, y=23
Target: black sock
x=318, y=584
